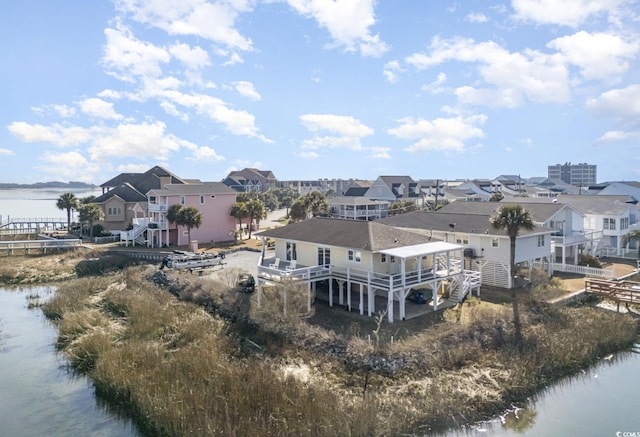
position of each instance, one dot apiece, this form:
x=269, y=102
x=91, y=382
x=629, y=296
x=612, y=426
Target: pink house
x=214, y=201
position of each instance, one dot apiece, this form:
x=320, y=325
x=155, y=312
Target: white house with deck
x=367, y=265
x=486, y=250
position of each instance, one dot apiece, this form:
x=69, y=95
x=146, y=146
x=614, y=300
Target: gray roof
x=195, y=189
x=540, y=211
x=354, y=200
x=143, y=182
x=452, y=222
x=124, y=191
x=600, y=204
x=356, y=234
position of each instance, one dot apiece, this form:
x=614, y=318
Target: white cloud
x=205, y=153
x=380, y=153
x=6, y=152
x=598, y=55
x=128, y=58
x=235, y=121
x=143, y=140
x=99, y=108
x=194, y=58
x=565, y=13
x=435, y=86
x=476, y=17
x=71, y=166
x=308, y=155
x=349, y=131
x=214, y=21
x=391, y=70
x=54, y=134
x=246, y=89
x=133, y=168
x=537, y=76
x=446, y=134
x=623, y=106
x=348, y=23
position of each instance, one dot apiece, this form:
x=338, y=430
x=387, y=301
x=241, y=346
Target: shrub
x=589, y=261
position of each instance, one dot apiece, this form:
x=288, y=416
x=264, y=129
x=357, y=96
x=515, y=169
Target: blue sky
x=318, y=88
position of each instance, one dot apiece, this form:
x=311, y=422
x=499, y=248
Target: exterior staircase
x=135, y=235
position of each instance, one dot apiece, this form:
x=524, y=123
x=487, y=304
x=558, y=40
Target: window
x=354, y=255
x=462, y=239
x=383, y=257
x=181, y=200
x=609, y=223
x=152, y=199
x=624, y=223
x=495, y=242
x=540, y=240
x=324, y=256
x=201, y=200
x=291, y=251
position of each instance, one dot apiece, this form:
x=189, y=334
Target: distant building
x=575, y=174
x=251, y=179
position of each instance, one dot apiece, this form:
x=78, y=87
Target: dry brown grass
x=180, y=370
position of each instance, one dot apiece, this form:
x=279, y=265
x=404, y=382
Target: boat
x=190, y=260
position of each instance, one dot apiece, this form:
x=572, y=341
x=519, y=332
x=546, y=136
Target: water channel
x=39, y=395
x=601, y=401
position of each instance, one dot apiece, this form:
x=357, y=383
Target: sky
x=315, y=89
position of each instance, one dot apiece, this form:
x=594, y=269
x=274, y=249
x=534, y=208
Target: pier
x=627, y=292
x=32, y=225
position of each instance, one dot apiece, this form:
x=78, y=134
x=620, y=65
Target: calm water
x=602, y=401
x=38, y=395
x=39, y=203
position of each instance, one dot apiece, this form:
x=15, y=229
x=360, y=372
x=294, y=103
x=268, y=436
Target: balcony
x=157, y=207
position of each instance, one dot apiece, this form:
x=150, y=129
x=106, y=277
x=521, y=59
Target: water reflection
x=38, y=394
x=598, y=401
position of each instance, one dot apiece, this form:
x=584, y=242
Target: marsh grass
x=175, y=368
x=180, y=369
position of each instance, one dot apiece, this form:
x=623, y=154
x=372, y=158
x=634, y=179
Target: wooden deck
x=627, y=292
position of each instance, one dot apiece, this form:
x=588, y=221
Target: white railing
x=157, y=207
x=41, y=245
x=584, y=270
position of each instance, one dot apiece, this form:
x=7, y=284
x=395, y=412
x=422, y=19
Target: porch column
x=361, y=298
x=349, y=289
x=330, y=292
x=370, y=298
x=390, y=300
x=564, y=255
x=310, y=285
x=341, y=295
x=434, y=295
x=403, y=270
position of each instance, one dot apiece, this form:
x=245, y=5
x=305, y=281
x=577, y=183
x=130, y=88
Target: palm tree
x=632, y=236
x=189, y=217
x=90, y=213
x=68, y=201
x=298, y=210
x=239, y=211
x=316, y=203
x=257, y=211
x=512, y=218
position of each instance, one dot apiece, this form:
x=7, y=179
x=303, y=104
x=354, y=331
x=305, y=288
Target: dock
x=32, y=225
x=37, y=246
x=627, y=292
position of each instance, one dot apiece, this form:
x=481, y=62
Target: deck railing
x=39, y=245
